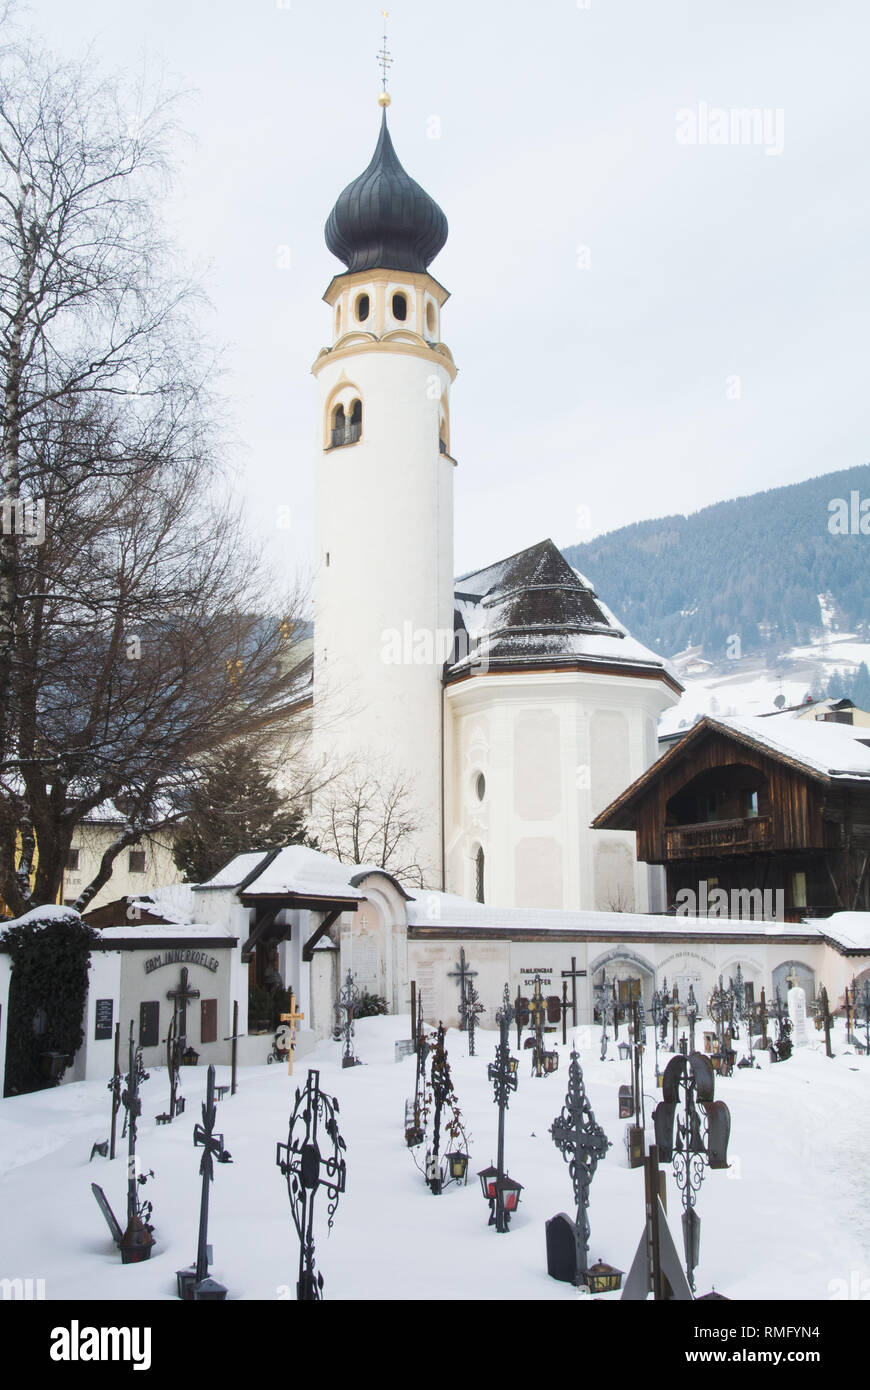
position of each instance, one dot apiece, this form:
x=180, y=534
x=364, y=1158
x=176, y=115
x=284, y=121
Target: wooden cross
x=461, y=973
x=762, y=1018
x=180, y=996
x=292, y=1018
x=573, y=975
x=826, y=1019
x=234, y=1038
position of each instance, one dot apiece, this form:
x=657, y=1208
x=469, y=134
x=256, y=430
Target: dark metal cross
x=462, y=974
x=473, y=1010
x=826, y=1019
x=180, y=997
x=212, y=1146
x=307, y=1169
x=573, y=975
x=582, y=1143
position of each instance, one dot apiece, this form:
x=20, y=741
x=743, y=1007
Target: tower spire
x=385, y=62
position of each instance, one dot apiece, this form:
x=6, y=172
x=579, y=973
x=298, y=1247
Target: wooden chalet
x=757, y=806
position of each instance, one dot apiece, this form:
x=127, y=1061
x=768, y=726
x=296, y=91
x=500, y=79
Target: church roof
x=534, y=610
x=384, y=219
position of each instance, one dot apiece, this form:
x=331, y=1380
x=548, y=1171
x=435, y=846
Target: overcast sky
x=642, y=325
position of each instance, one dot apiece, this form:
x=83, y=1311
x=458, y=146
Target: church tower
x=384, y=567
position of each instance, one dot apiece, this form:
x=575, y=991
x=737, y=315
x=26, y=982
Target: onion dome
x=384, y=220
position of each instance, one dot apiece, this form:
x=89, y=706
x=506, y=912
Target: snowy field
x=790, y=1219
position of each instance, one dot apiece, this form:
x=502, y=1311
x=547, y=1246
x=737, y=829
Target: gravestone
x=561, y=1248
x=797, y=1012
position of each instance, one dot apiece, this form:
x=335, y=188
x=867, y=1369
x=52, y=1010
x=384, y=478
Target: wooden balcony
x=708, y=839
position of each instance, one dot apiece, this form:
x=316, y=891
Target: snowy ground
x=789, y=1220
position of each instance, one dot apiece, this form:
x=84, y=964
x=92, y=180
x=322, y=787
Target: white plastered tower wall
x=553, y=748
x=384, y=574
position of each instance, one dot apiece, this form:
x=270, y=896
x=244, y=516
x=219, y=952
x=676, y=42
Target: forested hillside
x=754, y=566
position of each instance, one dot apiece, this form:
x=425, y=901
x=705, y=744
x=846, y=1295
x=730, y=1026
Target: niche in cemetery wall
x=50, y=958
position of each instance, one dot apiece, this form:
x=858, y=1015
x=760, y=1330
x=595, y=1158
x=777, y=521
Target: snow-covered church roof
x=531, y=610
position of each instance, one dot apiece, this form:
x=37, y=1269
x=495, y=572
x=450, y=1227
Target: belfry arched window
x=479, y=865
x=346, y=424
x=400, y=307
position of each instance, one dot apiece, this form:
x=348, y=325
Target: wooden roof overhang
x=269, y=905
x=621, y=814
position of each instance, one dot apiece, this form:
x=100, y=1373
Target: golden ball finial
x=384, y=99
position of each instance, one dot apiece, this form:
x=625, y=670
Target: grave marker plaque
x=561, y=1248
x=103, y=1018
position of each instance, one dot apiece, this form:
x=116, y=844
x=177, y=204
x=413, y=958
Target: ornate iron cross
x=691, y=1015
x=306, y=1170
x=691, y=1138
x=347, y=1002
x=473, y=1010
x=582, y=1143
x=212, y=1146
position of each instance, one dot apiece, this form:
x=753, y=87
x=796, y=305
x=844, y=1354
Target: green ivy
x=50, y=965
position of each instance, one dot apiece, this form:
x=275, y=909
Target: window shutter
x=208, y=1020
x=149, y=1024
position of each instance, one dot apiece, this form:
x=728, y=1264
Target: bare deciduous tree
x=137, y=631
x=368, y=816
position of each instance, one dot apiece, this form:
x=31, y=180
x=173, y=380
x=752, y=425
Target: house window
x=750, y=804
x=72, y=860
x=478, y=876
x=799, y=890
x=136, y=861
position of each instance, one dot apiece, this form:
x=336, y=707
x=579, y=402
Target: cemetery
x=636, y=1166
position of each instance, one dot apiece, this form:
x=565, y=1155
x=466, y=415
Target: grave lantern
x=624, y=1051
x=189, y=1057
x=510, y=1193
x=603, y=1278
x=457, y=1166
x=550, y=1061
x=488, y=1177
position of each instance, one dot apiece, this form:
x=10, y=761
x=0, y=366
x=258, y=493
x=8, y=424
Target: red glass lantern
x=488, y=1178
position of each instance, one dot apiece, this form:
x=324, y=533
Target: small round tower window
x=363, y=305
x=480, y=786
x=400, y=307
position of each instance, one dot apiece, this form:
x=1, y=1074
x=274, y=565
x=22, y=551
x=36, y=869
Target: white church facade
x=511, y=702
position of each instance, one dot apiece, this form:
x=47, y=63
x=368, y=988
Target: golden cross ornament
x=292, y=1018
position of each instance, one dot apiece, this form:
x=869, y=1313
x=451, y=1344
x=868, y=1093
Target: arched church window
x=478, y=875
x=363, y=305
x=355, y=424
x=400, y=307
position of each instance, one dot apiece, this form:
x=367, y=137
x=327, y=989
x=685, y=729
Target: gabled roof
x=531, y=610
x=826, y=752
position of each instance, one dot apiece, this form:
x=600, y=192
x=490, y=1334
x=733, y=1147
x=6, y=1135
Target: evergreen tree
x=234, y=809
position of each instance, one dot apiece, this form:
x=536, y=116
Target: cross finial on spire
x=385, y=61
